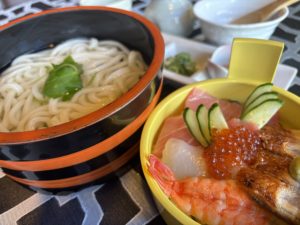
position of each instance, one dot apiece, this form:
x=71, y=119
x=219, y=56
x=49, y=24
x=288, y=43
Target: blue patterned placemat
x=121, y=201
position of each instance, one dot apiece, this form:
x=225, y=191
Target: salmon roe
x=230, y=150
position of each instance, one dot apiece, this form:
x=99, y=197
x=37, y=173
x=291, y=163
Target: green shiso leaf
x=64, y=80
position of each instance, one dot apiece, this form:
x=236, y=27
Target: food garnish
x=191, y=121
x=202, y=118
x=261, y=105
x=260, y=99
x=295, y=169
x=204, y=121
x=216, y=118
x=263, y=88
x=181, y=63
x=262, y=113
x=63, y=80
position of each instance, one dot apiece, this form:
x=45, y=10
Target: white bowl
x=215, y=17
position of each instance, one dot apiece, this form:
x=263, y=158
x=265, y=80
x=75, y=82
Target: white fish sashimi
x=183, y=159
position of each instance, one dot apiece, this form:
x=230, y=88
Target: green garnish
x=181, y=63
x=295, y=168
x=63, y=80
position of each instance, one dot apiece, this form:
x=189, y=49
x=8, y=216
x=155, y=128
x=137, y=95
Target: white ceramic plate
x=201, y=52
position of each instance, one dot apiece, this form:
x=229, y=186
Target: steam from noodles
x=109, y=70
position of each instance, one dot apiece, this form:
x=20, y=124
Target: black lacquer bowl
x=95, y=146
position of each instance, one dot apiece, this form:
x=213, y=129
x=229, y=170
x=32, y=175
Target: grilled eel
x=268, y=180
x=281, y=141
x=279, y=197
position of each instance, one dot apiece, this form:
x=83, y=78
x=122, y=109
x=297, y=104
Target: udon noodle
x=109, y=70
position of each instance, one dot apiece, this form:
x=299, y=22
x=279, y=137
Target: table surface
x=126, y=200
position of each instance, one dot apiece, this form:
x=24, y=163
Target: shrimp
x=207, y=200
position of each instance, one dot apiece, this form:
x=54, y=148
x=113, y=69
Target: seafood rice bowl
x=212, y=157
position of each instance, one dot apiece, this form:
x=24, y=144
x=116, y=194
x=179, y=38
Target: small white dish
x=215, y=17
x=199, y=52
x=205, y=55
x=217, y=66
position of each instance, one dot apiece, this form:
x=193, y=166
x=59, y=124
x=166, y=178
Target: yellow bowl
x=230, y=88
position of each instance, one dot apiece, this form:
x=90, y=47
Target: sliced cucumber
x=216, y=118
x=263, y=112
x=267, y=87
x=202, y=117
x=263, y=97
x=191, y=122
